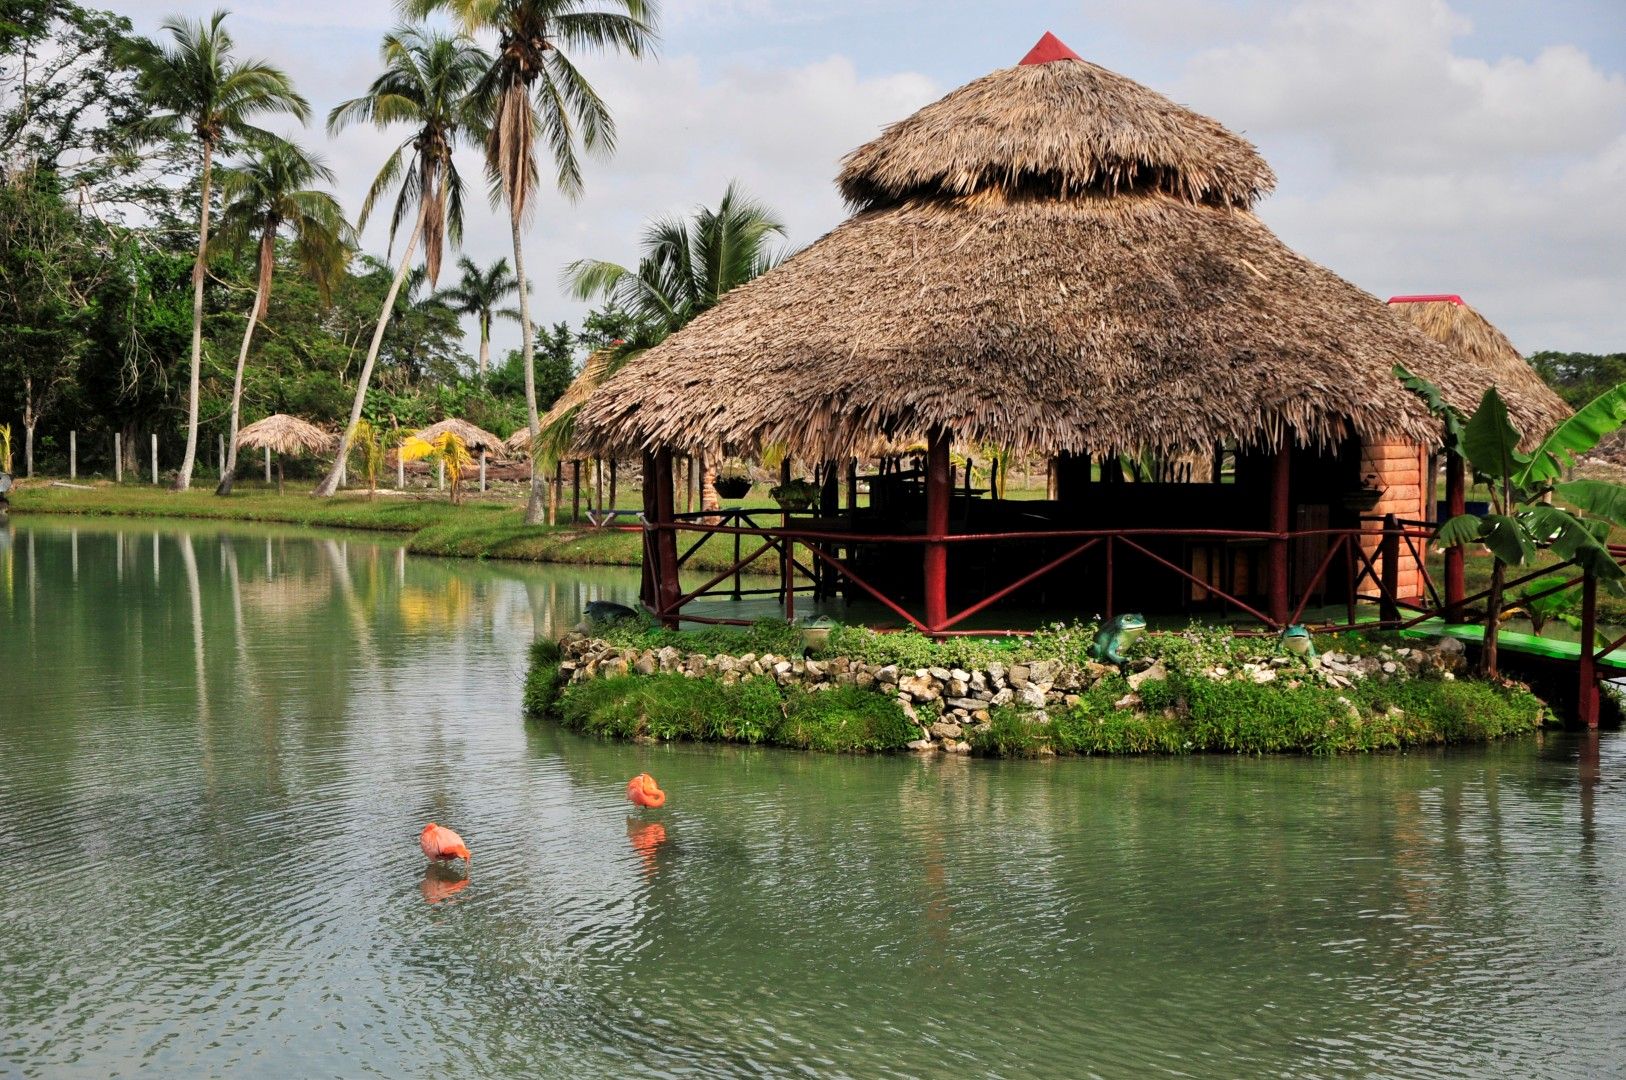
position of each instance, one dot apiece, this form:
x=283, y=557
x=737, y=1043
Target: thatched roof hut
x=1053, y=258
x=1485, y=358
x=284, y=434
x=558, y=423
x=474, y=438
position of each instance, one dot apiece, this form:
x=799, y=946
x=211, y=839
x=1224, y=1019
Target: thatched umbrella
x=474, y=438
x=283, y=434
x=1485, y=358
x=1051, y=258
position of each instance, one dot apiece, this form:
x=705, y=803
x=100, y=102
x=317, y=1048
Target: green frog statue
x=1296, y=639
x=1116, y=636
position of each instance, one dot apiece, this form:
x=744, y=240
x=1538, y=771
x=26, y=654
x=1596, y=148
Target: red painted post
x=667, y=590
x=1456, y=497
x=1280, y=510
x=1588, y=696
x=939, y=490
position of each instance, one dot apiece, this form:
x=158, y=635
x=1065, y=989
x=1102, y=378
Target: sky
x=1475, y=147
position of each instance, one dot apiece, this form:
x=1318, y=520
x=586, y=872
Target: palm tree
x=478, y=294
x=685, y=269
x=532, y=91
x=196, y=85
x=427, y=82
x=268, y=193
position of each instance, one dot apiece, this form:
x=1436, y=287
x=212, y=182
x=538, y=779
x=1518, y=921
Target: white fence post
x=118, y=460
x=400, y=470
x=440, y=475
x=73, y=455
x=155, y=457
x=268, y=464
x=482, y=471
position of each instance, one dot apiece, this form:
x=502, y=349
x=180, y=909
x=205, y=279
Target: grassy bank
x=477, y=529
x=1201, y=691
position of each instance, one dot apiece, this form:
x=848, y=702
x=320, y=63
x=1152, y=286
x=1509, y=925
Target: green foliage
x=1580, y=377
x=1575, y=436
x=673, y=707
x=542, y=679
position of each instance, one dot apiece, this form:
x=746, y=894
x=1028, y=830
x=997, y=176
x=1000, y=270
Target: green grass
x=673, y=707
x=1183, y=715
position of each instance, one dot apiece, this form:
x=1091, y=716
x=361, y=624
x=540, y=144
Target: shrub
x=542, y=680
x=1010, y=733
x=845, y=718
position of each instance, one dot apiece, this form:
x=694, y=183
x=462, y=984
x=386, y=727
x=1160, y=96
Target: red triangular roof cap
x=1449, y=298
x=1049, y=48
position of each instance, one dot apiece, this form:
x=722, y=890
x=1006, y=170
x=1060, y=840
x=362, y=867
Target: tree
x=532, y=90
x=685, y=269
x=427, y=82
x=196, y=84
x=268, y=193
x=1522, y=521
x=478, y=293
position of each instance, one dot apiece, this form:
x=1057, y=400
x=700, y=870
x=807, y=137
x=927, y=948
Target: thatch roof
x=285, y=434
x=1049, y=260
x=558, y=423
x=1061, y=126
x=474, y=438
x=1486, y=358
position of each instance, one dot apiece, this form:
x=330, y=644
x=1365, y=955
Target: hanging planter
x=795, y=495
x=733, y=487
x=1366, y=497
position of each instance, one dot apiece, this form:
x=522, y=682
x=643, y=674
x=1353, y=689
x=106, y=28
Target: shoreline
x=477, y=529
x=1199, y=691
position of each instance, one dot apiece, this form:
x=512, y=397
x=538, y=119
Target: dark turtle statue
x=600, y=612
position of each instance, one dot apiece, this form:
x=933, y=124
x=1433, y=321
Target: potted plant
x=733, y=482
x=795, y=495
x=1365, y=497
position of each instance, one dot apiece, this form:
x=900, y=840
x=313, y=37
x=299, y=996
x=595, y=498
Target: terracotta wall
x=1402, y=471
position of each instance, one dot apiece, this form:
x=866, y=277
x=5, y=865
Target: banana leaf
x=1598, y=498
x=1575, y=541
x=1434, y=398
x=1490, y=441
x=1602, y=416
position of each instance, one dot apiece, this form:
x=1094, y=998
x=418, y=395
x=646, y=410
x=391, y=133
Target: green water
x=217, y=746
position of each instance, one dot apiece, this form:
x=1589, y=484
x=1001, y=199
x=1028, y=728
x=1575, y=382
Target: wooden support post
x=118, y=462
x=970, y=467
x=852, y=484
x=482, y=472
x=787, y=597
x=646, y=576
x=73, y=455
x=939, y=490
x=576, y=490
x=598, y=485
x=1456, y=496
x=612, y=483
x=268, y=465
x=1587, y=696
x=667, y=589
x=1280, y=511
x=155, y=458
x=1389, y=551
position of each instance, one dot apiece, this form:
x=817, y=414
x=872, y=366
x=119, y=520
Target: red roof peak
x=1449, y=298
x=1049, y=48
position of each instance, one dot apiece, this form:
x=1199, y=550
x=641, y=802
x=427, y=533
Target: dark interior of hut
x=1159, y=512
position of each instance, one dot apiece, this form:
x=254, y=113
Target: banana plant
x=1546, y=600
x=368, y=444
x=1522, y=521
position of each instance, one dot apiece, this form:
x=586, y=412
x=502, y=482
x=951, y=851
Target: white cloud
x=1407, y=166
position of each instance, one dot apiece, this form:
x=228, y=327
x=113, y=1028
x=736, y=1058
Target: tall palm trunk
x=535, y=511
x=228, y=471
x=485, y=346
x=183, y=479
x=330, y=483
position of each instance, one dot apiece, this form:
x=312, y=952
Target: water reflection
x=442, y=882
x=291, y=721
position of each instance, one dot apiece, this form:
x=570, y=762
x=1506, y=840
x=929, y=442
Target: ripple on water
x=214, y=868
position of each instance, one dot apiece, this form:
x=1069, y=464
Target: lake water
x=217, y=746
